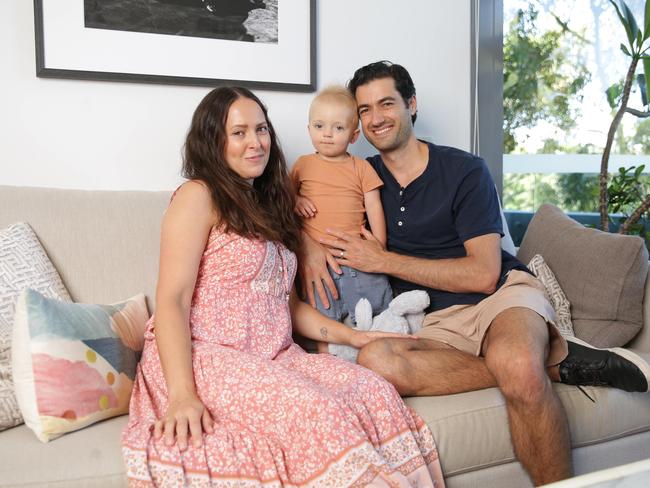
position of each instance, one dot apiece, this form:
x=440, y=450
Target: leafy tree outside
x=540, y=79
x=545, y=76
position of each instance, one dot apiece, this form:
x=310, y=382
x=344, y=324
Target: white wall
x=100, y=135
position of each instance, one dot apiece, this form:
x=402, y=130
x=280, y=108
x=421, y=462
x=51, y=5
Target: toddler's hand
x=305, y=207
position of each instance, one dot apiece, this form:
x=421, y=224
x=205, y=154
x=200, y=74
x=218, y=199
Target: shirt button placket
x=400, y=223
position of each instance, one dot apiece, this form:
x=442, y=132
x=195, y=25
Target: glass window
x=563, y=69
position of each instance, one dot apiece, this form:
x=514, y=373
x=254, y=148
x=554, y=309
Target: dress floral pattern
x=283, y=417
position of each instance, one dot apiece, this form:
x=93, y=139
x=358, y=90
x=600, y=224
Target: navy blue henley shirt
x=452, y=201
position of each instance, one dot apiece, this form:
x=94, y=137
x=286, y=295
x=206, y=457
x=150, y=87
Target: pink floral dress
x=283, y=417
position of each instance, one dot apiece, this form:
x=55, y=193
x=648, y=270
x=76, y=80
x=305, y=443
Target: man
x=489, y=322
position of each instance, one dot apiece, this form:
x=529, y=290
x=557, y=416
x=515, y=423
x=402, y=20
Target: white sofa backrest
x=104, y=244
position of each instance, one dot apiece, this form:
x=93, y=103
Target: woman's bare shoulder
x=194, y=197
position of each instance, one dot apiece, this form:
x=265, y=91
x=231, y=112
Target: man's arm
x=313, y=259
x=477, y=272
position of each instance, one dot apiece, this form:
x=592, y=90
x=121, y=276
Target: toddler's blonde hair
x=337, y=94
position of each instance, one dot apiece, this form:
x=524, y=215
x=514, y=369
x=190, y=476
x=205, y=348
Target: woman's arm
x=375, y=213
x=185, y=229
x=310, y=323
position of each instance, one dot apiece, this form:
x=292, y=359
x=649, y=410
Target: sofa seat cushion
x=471, y=429
x=602, y=274
x=89, y=457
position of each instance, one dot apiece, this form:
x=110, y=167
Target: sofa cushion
x=105, y=244
x=602, y=274
x=87, y=458
x=554, y=293
x=74, y=364
x=23, y=264
x=471, y=429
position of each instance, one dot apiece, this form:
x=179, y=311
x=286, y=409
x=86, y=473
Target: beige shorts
x=463, y=327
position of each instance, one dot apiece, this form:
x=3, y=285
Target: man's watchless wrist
x=388, y=263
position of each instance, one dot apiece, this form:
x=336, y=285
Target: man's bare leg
x=419, y=367
x=516, y=348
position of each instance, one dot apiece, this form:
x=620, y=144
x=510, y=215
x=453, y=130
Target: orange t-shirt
x=336, y=189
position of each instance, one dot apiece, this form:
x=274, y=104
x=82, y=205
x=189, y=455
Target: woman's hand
x=184, y=415
x=362, y=337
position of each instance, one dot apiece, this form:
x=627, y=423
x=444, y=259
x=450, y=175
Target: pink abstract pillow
x=74, y=364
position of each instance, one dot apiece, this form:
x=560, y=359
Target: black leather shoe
x=620, y=368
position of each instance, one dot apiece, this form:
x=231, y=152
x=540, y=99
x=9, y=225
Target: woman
x=223, y=397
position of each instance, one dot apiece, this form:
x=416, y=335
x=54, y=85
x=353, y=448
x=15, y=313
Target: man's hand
x=365, y=254
x=312, y=266
x=305, y=207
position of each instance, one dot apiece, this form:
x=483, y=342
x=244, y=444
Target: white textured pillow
x=555, y=295
x=23, y=264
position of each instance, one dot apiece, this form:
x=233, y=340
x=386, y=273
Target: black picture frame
x=43, y=70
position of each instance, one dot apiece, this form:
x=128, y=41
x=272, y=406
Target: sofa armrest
x=642, y=341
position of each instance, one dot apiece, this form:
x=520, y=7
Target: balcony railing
x=518, y=220
x=569, y=163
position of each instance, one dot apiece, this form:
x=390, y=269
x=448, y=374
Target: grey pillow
x=23, y=264
x=602, y=274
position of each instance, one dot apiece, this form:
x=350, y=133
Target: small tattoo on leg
x=323, y=332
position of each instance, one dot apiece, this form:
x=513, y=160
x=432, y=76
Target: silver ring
x=342, y=255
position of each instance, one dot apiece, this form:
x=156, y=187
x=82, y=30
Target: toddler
x=335, y=190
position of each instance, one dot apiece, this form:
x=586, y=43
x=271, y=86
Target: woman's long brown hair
x=262, y=210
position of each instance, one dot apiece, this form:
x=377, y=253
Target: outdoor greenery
x=626, y=191
x=539, y=79
x=544, y=78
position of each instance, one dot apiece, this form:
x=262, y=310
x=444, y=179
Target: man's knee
x=386, y=358
x=374, y=354
x=520, y=374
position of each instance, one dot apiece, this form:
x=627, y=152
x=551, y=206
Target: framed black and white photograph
x=263, y=44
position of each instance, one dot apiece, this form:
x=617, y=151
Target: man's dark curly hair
x=385, y=69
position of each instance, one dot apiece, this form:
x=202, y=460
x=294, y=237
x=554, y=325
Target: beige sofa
x=105, y=246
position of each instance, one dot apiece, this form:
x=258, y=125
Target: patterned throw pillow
x=23, y=264
x=73, y=363
x=554, y=294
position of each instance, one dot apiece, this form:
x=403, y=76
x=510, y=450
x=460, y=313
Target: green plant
x=625, y=191
x=636, y=49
